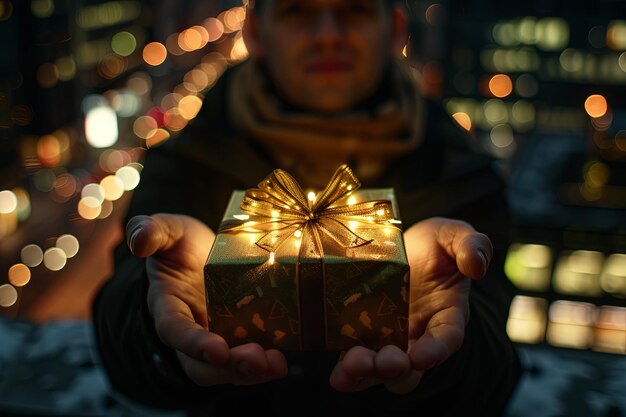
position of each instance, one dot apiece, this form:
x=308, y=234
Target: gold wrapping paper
x=274, y=282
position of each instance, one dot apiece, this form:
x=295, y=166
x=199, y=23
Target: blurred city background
x=86, y=86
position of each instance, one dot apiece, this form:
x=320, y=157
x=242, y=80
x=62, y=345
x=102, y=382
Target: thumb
x=473, y=250
x=146, y=235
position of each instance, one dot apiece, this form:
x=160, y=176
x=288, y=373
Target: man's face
x=325, y=55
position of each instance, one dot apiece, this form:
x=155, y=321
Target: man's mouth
x=328, y=66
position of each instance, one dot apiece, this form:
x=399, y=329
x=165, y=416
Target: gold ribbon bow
x=282, y=209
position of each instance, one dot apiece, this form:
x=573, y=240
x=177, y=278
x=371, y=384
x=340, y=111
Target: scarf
x=312, y=146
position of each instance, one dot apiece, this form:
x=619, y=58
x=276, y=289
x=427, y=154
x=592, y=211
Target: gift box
x=305, y=271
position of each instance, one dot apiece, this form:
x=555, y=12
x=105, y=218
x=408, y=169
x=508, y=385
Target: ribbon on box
x=280, y=209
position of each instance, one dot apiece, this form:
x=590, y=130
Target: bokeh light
x=129, y=177
x=463, y=120
x=596, y=105
x=89, y=208
x=159, y=136
x=154, y=53
x=527, y=319
x=47, y=75
x=54, y=259
x=189, y=107
x=31, y=255
x=8, y=295
x=113, y=187
x=123, y=43
x=214, y=27
x=66, y=66
x=106, y=208
x=42, y=8
x=19, y=275
x=23, y=203
x=6, y=10
x=49, y=150
x=145, y=126
x=68, y=244
x=93, y=190
x=65, y=186
x=8, y=202
x=101, y=129
x=500, y=85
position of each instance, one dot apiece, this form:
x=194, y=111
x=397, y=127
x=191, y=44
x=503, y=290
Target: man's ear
x=399, y=30
x=252, y=36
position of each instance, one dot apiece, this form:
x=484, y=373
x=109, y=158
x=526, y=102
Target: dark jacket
x=195, y=173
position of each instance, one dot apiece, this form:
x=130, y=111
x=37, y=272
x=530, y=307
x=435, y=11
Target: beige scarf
x=310, y=146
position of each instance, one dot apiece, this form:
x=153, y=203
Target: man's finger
x=404, y=383
x=443, y=336
x=355, y=371
x=472, y=250
x=146, y=235
x=206, y=374
x=391, y=362
x=177, y=329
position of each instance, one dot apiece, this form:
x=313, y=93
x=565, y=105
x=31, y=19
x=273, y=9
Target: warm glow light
x=298, y=234
x=101, y=127
x=129, y=176
x=610, y=330
x=271, y=258
x=596, y=105
x=351, y=200
x=157, y=137
x=68, y=244
x=463, y=120
x=19, y=275
x=189, y=40
x=613, y=276
x=311, y=196
x=578, y=273
x=65, y=186
x=113, y=187
x=49, y=150
x=93, y=190
x=8, y=202
x=154, y=53
x=66, y=67
x=48, y=75
x=527, y=319
x=570, y=324
x=239, y=51
x=145, y=126
x=500, y=85
x=31, y=255
x=214, y=27
x=616, y=35
x=54, y=259
x=529, y=266
x=189, y=106
x=89, y=207
x=8, y=295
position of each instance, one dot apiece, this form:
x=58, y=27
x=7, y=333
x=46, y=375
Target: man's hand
x=443, y=255
x=176, y=248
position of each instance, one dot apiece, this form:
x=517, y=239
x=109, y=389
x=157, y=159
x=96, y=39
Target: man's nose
x=327, y=26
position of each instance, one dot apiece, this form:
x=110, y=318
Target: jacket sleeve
x=137, y=363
